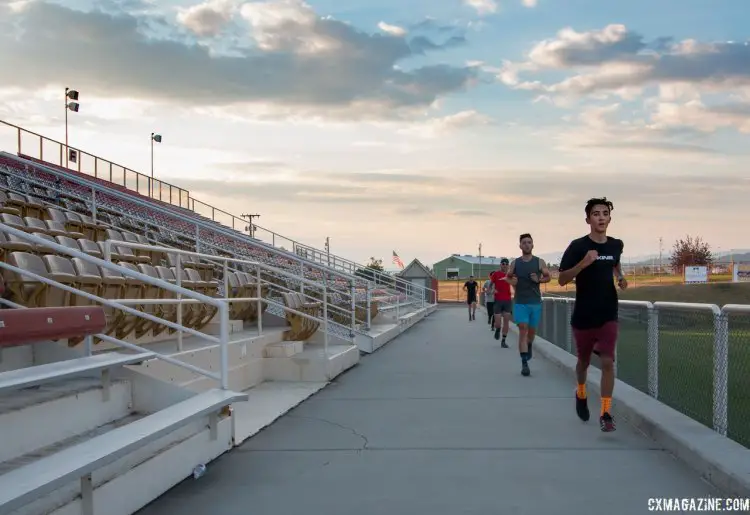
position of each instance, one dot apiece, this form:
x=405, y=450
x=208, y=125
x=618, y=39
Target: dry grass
x=711, y=293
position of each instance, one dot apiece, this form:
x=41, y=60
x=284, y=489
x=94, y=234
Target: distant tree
x=375, y=264
x=368, y=272
x=691, y=251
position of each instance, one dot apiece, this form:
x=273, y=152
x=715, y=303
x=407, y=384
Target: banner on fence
x=741, y=272
x=696, y=274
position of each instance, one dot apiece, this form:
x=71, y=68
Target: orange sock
x=606, y=404
x=581, y=391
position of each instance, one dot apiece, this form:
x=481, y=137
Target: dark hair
x=598, y=202
x=525, y=235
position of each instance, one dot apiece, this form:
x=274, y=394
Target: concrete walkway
x=439, y=422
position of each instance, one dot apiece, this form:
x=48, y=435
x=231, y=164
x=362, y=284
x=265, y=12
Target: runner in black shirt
x=592, y=261
x=471, y=287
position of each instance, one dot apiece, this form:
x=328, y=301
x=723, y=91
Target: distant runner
x=503, y=305
x=488, y=290
x=471, y=287
x=592, y=261
x=526, y=273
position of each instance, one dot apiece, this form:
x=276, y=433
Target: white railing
x=195, y=221
x=184, y=296
x=259, y=267
x=669, y=350
x=222, y=307
x=325, y=272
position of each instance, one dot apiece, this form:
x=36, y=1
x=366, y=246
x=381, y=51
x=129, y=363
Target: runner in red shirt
x=503, y=304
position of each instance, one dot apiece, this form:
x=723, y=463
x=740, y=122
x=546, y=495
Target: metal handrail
x=214, y=227
x=82, y=152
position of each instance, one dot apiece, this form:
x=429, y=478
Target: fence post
x=554, y=323
x=653, y=352
x=353, y=294
x=368, y=297
x=721, y=371
x=568, y=328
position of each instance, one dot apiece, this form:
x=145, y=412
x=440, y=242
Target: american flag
x=397, y=260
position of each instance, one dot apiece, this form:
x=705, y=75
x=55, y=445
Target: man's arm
x=570, y=265
x=511, y=277
x=545, y=272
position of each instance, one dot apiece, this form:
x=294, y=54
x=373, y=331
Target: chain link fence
x=694, y=358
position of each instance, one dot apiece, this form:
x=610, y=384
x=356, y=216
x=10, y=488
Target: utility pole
x=661, y=240
x=251, y=227
x=328, y=249
x=480, y=259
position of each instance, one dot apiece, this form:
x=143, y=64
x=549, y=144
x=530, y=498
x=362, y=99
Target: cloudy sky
x=408, y=125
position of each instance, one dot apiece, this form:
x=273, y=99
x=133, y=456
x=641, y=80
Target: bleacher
x=151, y=324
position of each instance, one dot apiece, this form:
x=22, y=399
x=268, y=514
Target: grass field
x=686, y=346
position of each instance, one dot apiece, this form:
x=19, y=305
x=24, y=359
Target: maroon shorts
x=600, y=340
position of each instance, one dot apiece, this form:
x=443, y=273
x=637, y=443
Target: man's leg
x=468, y=304
x=585, y=340
x=474, y=309
x=522, y=320
x=606, y=342
x=490, y=311
x=535, y=315
x=506, y=328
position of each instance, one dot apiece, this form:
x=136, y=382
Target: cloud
x=298, y=61
x=394, y=30
x=207, y=19
x=489, y=189
x=620, y=58
x=471, y=213
x=482, y=6
x=530, y=3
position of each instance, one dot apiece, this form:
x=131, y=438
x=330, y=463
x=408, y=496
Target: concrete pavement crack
x=365, y=441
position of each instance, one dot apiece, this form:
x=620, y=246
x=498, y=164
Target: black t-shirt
x=596, y=295
x=472, y=286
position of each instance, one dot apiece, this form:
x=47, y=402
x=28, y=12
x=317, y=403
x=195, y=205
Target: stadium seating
x=59, y=209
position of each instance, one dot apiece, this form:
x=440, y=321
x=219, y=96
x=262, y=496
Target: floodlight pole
x=67, y=149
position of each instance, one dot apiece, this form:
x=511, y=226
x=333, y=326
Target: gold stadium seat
x=301, y=328
x=146, y=291
x=36, y=225
x=34, y=207
x=235, y=292
x=165, y=274
x=43, y=249
x=30, y=292
x=249, y=287
x=191, y=312
x=84, y=280
x=7, y=208
x=207, y=288
x=165, y=311
x=91, y=248
x=18, y=202
x=10, y=243
x=14, y=221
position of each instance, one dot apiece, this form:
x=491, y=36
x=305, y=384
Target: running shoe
x=607, y=423
x=525, y=371
x=582, y=408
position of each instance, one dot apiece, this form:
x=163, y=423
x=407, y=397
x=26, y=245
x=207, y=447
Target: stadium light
x=157, y=138
x=74, y=106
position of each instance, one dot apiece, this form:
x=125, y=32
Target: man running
x=592, y=261
x=503, y=306
x=471, y=287
x=488, y=289
x=526, y=274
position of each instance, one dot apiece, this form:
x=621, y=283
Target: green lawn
x=686, y=342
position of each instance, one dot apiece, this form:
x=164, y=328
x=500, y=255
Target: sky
x=421, y=127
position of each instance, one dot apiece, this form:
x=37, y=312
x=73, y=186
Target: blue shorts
x=528, y=314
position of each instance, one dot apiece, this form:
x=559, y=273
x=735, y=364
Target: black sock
x=524, y=357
